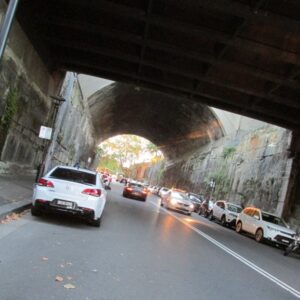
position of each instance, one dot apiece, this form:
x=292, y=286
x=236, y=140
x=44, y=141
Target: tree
x=127, y=150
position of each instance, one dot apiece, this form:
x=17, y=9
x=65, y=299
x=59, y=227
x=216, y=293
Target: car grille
x=289, y=234
x=283, y=239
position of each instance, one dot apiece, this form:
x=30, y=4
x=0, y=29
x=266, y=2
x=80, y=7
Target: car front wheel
x=223, y=221
x=238, y=227
x=259, y=235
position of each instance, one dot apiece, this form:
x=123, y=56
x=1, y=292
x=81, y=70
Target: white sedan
x=70, y=190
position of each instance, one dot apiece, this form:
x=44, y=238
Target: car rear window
x=136, y=185
x=74, y=175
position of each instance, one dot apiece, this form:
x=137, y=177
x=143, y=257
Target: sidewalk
x=15, y=193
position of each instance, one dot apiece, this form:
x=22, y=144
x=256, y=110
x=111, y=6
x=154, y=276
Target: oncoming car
x=178, y=201
x=264, y=226
x=72, y=191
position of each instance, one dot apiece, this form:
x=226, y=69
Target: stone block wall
x=249, y=168
x=76, y=138
x=25, y=86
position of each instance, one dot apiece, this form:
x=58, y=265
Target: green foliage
x=127, y=150
x=228, y=152
x=11, y=108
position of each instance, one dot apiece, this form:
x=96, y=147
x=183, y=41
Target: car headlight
x=232, y=215
x=173, y=201
x=273, y=229
x=192, y=205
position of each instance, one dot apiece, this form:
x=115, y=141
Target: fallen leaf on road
x=62, y=266
x=45, y=258
x=59, y=278
x=69, y=264
x=69, y=286
x=69, y=277
x=95, y=270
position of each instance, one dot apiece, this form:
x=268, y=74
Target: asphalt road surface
x=141, y=251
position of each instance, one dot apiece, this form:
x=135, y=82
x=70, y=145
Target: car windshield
x=234, y=208
x=193, y=198
x=74, y=175
x=178, y=195
x=273, y=219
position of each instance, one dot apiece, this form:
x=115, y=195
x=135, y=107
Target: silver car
x=178, y=201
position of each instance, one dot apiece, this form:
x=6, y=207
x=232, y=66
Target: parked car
x=196, y=200
x=135, y=190
x=225, y=212
x=263, y=225
x=72, y=191
x=178, y=201
x=205, y=207
x=163, y=191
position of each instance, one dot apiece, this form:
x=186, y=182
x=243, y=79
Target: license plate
x=65, y=203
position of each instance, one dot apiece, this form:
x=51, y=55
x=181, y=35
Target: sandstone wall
x=25, y=86
x=250, y=168
x=76, y=137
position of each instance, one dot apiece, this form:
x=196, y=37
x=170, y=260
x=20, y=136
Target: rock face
x=75, y=139
x=26, y=84
x=248, y=168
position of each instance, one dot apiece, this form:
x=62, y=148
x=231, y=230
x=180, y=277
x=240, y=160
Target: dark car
x=206, y=207
x=197, y=200
x=135, y=190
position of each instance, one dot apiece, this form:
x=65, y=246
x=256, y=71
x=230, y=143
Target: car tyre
x=189, y=214
x=238, y=227
x=124, y=195
x=95, y=223
x=259, y=235
x=211, y=216
x=223, y=221
x=35, y=212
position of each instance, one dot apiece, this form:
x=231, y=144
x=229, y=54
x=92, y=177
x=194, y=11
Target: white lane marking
x=236, y=255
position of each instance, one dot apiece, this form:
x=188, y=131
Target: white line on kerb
x=236, y=255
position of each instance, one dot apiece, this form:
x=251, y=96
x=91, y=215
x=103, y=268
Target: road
x=141, y=251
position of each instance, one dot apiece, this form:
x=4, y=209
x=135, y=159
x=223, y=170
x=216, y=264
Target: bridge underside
x=175, y=126
x=242, y=56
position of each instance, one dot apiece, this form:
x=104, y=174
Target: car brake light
x=92, y=192
x=45, y=182
x=129, y=189
x=144, y=191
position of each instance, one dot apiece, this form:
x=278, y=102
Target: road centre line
x=236, y=255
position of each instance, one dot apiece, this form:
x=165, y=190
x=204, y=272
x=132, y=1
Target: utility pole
x=6, y=25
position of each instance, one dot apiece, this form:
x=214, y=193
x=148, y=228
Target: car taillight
x=144, y=191
x=45, y=182
x=129, y=189
x=92, y=192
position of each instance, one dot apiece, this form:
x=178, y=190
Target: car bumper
x=231, y=221
x=137, y=195
x=186, y=209
x=48, y=206
x=280, y=239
